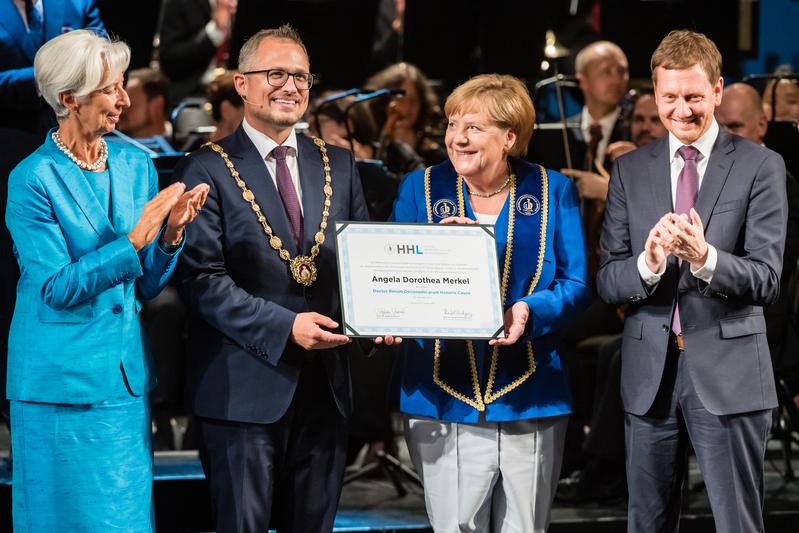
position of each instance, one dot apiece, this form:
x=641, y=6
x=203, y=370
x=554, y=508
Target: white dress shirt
x=705, y=145
x=607, y=124
x=217, y=37
x=265, y=144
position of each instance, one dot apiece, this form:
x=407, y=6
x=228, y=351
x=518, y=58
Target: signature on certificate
x=457, y=314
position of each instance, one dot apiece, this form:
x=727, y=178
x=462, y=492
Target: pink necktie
x=687, y=186
x=288, y=194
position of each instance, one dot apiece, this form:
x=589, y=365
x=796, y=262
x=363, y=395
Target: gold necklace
x=302, y=267
x=488, y=194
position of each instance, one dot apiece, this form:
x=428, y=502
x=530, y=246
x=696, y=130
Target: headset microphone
x=261, y=105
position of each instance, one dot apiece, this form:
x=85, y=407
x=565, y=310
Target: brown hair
x=154, y=84
x=506, y=101
x=392, y=77
x=250, y=47
x=222, y=89
x=682, y=49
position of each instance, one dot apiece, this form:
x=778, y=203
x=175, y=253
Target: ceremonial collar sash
x=523, y=219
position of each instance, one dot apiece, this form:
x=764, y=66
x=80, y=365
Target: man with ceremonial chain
x=267, y=378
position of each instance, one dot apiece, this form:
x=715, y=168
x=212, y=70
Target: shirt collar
x=265, y=144
x=704, y=143
x=605, y=122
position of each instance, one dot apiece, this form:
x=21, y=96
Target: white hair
x=77, y=62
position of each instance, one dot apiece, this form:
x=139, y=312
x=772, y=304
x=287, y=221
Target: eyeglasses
x=278, y=77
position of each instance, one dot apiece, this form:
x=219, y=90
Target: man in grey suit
x=693, y=237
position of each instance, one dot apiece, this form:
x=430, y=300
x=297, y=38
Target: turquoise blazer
x=528, y=379
x=78, y=299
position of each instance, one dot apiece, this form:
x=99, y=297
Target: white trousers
x=497, y=477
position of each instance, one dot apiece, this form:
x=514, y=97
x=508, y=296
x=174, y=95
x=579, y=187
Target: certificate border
x=450, y=333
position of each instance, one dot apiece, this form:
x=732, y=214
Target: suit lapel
x=11, y=20
x=80, y=190
x=660, y=177
x=718, y=168
x=312, y=181
x=121, y=191
x=252, y=168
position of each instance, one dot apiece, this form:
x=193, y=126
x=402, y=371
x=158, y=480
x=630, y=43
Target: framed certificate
x=419, y=280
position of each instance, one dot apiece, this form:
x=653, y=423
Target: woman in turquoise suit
x=93, y=238
x=486, y=421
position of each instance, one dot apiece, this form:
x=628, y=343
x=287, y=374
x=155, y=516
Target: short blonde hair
x=77, y=62
x=506, y=101
x=682, y=49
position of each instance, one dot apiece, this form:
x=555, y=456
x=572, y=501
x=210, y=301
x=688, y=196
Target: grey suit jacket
x=742, y=203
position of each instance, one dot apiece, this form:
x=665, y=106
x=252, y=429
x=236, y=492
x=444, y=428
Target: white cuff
x=709, y=268
x=650, y=278
x=213, y=32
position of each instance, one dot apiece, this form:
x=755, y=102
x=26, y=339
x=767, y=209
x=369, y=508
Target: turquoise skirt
x=82, y=467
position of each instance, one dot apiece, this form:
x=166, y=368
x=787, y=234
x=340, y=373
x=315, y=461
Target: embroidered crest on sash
x=528, y=205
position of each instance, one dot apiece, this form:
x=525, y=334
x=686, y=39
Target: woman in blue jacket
x=486, y=421
x=93, y=237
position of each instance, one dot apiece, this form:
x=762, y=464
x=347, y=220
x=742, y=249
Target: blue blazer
x=560, y=295
x=20, y=105
x=79, y=294
x=242, y=365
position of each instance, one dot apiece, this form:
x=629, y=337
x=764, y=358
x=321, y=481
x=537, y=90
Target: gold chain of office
x=481, y=399
x=302, y=267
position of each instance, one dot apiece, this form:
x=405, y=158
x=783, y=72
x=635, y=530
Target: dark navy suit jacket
x=20, y=105
x=242, y=365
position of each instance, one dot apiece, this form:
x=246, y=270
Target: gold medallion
x=302, y=267
x=303, y=270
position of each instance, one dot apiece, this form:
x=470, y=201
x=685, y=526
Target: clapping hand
x=184, y=212
x=152, y=218
x=684, y=237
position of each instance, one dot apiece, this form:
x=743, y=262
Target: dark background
x=452, y=40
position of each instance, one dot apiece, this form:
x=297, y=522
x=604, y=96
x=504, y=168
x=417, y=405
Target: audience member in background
x=602, y=73
x=91, y=244
x=146, y=120
x=488, y=443
x=602, y=477
x=787, y=96
x=25, y=117
x=227, y=108
x=645, y=127
x=195, y=37
x=24, y=27
x=407, y=119
x=741, y=112
x=332, y=127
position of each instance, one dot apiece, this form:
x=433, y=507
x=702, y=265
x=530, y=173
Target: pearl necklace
x=92, y=167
